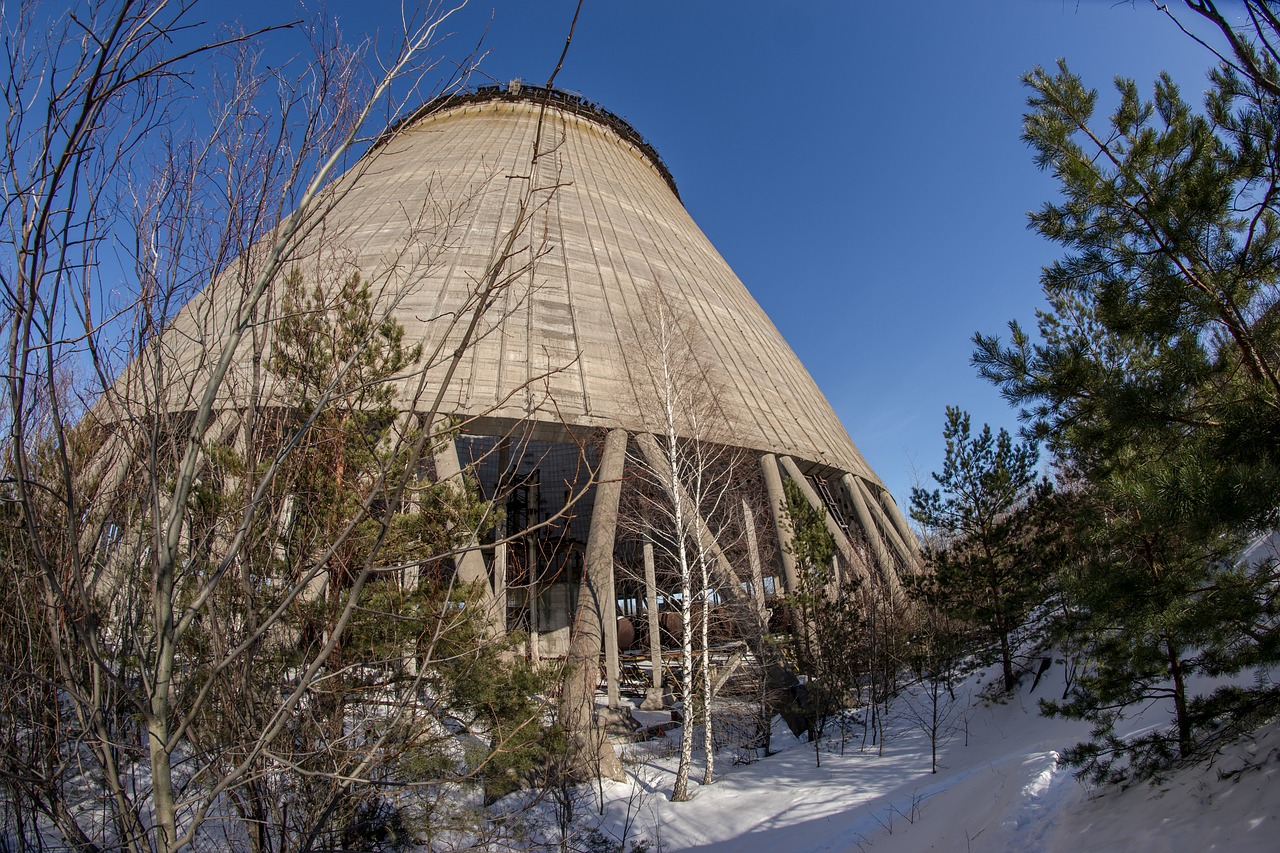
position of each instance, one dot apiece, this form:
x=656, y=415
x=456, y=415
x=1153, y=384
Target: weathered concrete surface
x=423, y=221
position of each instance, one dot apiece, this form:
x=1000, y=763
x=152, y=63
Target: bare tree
x=937, y=653
x=231, y=552
x=686, y=501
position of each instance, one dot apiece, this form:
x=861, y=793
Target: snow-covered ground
x=998, y=788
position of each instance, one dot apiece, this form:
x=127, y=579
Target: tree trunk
x=680, y=792
x=1006, y=662
x=1185, y=742
x=708, y=740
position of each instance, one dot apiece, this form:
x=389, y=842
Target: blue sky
x=857, y=163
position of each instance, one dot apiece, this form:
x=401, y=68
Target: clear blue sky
x=857, y=163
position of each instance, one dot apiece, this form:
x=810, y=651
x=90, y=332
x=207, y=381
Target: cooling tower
x=614, y=239
x=562, y=345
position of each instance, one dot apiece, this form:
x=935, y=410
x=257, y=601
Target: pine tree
x=813, y=549
x=1155, y=385
x=985, y=566
x=352, y=511
x=827, y=618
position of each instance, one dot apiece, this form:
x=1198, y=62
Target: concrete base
x=654, y=700
x=617, y=721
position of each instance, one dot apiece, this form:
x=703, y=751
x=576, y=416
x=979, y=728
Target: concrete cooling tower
x=572, y=261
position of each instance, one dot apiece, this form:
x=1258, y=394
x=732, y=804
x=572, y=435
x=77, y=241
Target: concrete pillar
x=121, y=454
x=757, y=569
x=470, y=562
x=899, y=548
x=899, y=523
x=782, y=527
x=843, y=545
x=888, y=572
x=500, y=583
x=653, y=699
x=596, y=621
x=592, y=754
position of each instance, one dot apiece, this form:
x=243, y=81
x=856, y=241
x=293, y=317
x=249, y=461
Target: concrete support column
x=757, y=568
x=405, y=425
x=843, y=545
x=888, y=573
x=593, y=755
x=596, y=620
x=500, y=584
x=653, y=699
x=470, y=562
x=899, y=523
x=782, y=527
x=899, y=548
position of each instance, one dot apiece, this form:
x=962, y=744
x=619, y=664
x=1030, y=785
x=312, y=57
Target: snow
x=998, y=788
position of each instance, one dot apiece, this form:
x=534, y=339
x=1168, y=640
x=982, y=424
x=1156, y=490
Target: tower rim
x=559, y=99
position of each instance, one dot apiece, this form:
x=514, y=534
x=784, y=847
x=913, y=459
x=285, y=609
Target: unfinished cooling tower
x=578, y=255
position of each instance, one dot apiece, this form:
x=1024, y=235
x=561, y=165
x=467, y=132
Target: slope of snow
x=998, y=788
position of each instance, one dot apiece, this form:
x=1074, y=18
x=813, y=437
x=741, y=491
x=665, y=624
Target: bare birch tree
x=687, y=498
